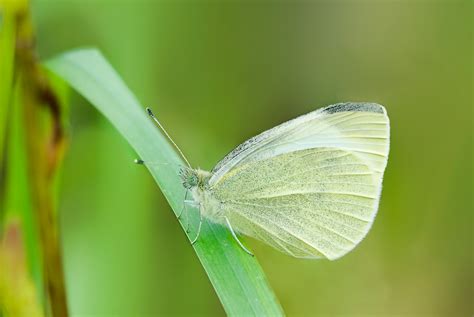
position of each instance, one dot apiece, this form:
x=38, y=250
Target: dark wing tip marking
x=354, y=106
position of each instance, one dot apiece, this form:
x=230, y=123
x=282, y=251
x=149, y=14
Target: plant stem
x=45, y=142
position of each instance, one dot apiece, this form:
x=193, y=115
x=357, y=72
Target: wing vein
x=315, y=213
x=283, y=229
x=311, y=192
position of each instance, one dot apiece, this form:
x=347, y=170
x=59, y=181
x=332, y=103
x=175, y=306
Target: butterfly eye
x=189, y=178
x=193, y=180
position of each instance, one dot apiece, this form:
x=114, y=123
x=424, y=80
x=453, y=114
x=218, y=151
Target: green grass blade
x=7, y=62
x=237, y=277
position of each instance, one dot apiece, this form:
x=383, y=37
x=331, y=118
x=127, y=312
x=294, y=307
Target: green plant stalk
x=7, y=60
x=40, y=143
x=21, y=290
x=46, y=143
x=237, y=277
x=15, y=200
x=18, y=195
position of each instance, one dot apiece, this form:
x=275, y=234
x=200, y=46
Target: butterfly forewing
x=362, y=128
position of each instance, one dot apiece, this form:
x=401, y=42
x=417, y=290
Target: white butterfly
x=309, y=187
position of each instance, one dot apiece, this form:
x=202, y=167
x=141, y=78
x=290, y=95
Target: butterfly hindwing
x=310, y=203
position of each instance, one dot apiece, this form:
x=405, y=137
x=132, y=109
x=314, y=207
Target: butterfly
x=309, y=187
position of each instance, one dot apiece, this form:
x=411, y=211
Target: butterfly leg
x=185, y=210
x=184, y=205
x=236, y=238
x=187, y=222
x=199, y=227
x=192, y=203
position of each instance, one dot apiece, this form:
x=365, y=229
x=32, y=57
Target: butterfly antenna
x=150, y=113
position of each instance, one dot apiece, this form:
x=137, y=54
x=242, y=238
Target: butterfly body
x=197, y=182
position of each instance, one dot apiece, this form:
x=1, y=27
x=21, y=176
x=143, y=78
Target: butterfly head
x=192, y=178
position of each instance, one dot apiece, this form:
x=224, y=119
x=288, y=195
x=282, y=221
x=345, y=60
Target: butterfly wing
x=362, y=128
x=310, y=203
x=309, y=187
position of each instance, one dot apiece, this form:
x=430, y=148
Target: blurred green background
x=217, y=73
